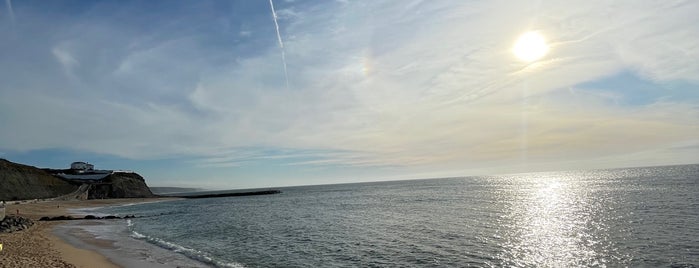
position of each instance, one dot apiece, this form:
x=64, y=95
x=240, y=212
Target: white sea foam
x=576, y=218
x=189, y=252
x=137, y=235
x=130, y=249
x=86, y=211
x=93, y=210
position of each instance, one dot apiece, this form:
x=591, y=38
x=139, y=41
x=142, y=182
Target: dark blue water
x=637, y=217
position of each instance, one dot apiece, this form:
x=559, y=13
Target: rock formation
x=120, y=185
x=21, y=182
x=14, y=223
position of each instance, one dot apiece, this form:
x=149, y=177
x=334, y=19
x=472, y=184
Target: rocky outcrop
x=14, y=223
x=120, y=185
x=87, y=217
x=21, y=182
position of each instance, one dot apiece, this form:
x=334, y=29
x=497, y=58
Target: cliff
x=19, y=181
x=119, y=185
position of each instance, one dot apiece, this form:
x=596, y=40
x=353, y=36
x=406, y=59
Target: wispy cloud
x=281, y=43
x=10, y=11
x=376, y=83
x=66, y=60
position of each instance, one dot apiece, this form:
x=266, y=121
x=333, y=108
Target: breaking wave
x=189, y=252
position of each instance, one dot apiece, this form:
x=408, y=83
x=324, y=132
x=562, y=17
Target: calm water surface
x=637, y=217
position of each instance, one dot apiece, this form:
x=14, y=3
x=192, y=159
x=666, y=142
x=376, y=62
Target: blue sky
x=194, y=93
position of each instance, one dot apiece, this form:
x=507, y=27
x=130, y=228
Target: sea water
x=636, y=217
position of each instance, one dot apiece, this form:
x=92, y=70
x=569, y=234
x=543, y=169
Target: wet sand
x=37, y=246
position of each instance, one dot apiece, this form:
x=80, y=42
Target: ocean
x=635, y=217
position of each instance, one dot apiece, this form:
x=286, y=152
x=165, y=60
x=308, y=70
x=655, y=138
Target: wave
x=189, y=252
x=87, y=211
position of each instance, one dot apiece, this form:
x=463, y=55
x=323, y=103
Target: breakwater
x=266, y=192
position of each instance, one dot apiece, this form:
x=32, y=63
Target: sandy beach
x=38, y=247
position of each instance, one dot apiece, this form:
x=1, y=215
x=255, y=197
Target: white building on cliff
x=84, y=171
x=82, y=166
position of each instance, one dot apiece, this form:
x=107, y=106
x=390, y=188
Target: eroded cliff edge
x=22, y=182
x=120, y=185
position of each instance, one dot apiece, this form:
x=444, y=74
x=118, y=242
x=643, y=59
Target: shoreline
x=41, y=245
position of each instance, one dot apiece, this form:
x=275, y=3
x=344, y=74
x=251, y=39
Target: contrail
x=8, y=3
x=279, y=38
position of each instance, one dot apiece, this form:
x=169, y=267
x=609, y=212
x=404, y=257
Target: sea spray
x=281, y=43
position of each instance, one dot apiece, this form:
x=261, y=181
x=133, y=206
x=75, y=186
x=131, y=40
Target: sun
x=530, y=46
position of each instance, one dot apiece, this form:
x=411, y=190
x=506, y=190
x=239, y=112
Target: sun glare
x=530, y=46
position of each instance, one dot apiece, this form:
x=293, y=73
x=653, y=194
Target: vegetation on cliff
x=19, y=181
x=120, y=185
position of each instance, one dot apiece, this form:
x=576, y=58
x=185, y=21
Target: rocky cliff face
x=120, y=185
x=19, y=182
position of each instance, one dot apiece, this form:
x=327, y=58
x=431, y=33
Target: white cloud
x=286, y=14
x=10, y=11
x=384, y=83
x=65, y=59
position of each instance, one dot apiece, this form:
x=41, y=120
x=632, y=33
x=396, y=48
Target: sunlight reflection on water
x=637, y=217
x=552, y=224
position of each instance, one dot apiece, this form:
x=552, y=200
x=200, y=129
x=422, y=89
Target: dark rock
x=58, y=218
x=120, y=185
x=64, y=218
x=22, y=182
x=265, y=192
x=87, y=217
x=14, y=223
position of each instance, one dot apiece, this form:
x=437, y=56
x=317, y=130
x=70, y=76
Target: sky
x=213, y=94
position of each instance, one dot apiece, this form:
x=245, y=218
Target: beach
x=631, y=217
x=38, y=246
x=546, y=219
